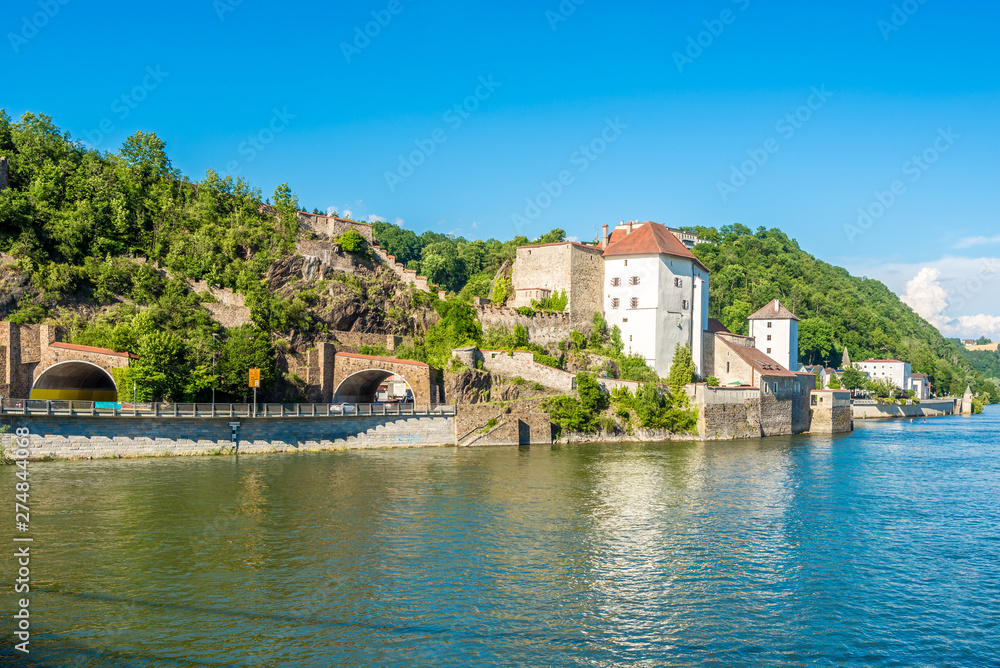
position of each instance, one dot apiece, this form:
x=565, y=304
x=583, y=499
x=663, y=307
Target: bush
x=526, y=311
x=558, y=301
x=352, y=242
x=547, y=360
x=537, y=387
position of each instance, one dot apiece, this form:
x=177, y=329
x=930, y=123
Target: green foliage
x=352, y=241
x=815, y=340
x=578, y=414
x=526, y=311
x=854, y=378
x=500, y=337
x=833, y=382
x=457, y=328
x=712, y=381
x=246, y=347
x=537, y=387
x=656, y=409
x=634, y=367
x=681, y=368
x=751, y=268
x=547, y=360
x=502, y=290
x=881, y=387
x=557, y=301
x=375, y=351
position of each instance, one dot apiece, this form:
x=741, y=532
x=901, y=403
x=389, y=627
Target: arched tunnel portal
x=75, y=381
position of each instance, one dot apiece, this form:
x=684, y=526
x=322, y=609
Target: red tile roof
x=773, y=311
x=91, y=349
x=761, y=363
x=715, y=326
x=649, y=239
x=381, y=359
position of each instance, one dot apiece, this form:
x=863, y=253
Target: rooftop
x=773, y=311
x=649, y=238
x=715, y=326
x=882, y=362
x=761, y=363
x=92, y=349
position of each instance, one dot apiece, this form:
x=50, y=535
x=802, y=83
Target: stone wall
x=103, y=437
x=523, y=364
x=587, y=296
x=543, y=328
x=333, y=227
x=829, y=416
x=420, y=377
x=926, y=408
x=407, y=276
x=514, y=428
x=575, y=269
x=358, y=339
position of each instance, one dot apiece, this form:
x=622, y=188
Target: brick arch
x=75, y=380
x=356, y=377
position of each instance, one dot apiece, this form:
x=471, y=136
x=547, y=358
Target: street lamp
x=213, y=373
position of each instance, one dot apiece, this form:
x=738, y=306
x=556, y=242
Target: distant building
x=920, y=383
x=775, y=331
x=823, y=374
x=896, y=371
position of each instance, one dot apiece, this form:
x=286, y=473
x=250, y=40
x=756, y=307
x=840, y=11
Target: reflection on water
x=874, y=548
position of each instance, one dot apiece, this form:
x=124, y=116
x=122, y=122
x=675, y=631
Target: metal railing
x=159, y=410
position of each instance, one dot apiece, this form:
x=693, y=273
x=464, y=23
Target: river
x=876, y=548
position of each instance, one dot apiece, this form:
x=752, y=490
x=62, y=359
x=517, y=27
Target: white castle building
x=775, y=331
x=642, y=278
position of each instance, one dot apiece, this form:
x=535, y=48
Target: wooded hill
x=105, y=245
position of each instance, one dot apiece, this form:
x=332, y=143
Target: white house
x=775, y=330
x=656, y=292
x=920, y=383
x=894, y=370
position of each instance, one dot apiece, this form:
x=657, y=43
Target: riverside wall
x=926, y=408
x=105, y=437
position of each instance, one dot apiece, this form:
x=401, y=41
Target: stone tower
x=4, y=169
x=967, y=401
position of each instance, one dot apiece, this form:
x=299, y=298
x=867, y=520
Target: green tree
x=681, y=368
x=815, y=339
x=833, y=383
x=854, y=378
x=246, y=347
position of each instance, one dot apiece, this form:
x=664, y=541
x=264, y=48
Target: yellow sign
x=254, y=377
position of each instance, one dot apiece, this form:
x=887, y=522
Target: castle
x=643, y=279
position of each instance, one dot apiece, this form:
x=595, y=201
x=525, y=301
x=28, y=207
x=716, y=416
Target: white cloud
x=925, y=295
x=377, y=219
x=574, y=239
x=331, y=211
x=400, y=222
x=968, y=242
x=346, y=214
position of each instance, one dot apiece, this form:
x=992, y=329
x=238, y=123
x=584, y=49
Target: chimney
x=777, y=305
x=604, y=237
x=628, y=227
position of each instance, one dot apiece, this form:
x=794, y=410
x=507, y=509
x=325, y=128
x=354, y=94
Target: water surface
x=877, y=548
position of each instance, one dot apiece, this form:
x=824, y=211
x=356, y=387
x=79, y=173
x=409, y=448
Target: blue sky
x=707, y=113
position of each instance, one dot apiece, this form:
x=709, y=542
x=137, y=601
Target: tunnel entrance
x=75, y=381
x=373, y=386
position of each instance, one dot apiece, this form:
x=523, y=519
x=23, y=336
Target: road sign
x=254, y=377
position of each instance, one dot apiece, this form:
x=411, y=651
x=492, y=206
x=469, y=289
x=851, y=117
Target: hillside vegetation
x=107, y=245
x=837, y=310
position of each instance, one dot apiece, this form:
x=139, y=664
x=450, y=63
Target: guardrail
x=127, y=409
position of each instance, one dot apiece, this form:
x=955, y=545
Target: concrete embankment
x=77, y=437
x=926, y=408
